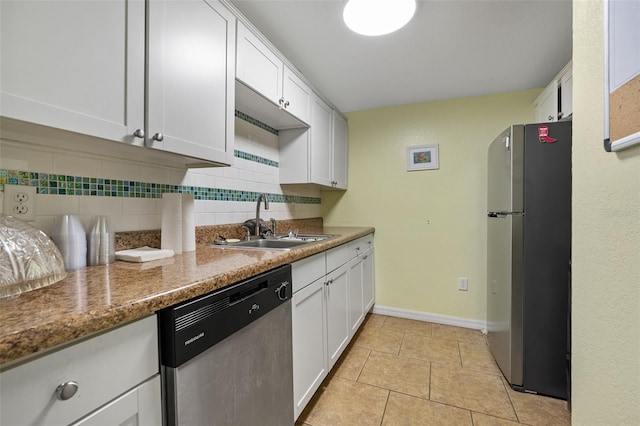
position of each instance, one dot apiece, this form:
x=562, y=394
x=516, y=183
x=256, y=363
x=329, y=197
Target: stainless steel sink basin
x=284, y=242
x=278, y=244
x=307, y=237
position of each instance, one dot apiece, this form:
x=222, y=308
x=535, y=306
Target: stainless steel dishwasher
x=226, y=356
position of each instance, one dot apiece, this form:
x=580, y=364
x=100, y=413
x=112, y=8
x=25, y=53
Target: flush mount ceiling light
x=378, y=17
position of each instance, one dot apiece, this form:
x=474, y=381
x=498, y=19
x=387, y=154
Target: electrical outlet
x=20, y=202
x=463, y=284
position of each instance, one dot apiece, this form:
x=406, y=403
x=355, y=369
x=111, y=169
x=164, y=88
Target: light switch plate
x=463, y=284
x=20, y=202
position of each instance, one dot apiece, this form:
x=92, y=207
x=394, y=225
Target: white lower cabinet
x=332, y=291
x=309, y=342
x=115, y=375
x=338, y=330
x=368, y=280
x=356, y=294
x=138, y=407
x=361, y=281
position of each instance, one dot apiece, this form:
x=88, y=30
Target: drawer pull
x=66, y=390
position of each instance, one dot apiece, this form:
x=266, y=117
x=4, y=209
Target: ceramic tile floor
x=405, y=372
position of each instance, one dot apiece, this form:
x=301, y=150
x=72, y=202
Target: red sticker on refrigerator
x=543, y=135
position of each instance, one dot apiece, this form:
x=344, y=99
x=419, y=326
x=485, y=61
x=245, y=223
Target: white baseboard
x=426, y=316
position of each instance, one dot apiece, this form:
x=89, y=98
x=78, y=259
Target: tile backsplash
x=130, y=192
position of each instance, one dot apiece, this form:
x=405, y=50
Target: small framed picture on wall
x=422, y=157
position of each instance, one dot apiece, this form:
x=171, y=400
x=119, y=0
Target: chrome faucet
x=273, y=226
x=266, y=207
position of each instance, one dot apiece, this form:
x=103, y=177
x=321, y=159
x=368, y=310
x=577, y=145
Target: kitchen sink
x=277, y=244
x=307, y=237
x=284, y=242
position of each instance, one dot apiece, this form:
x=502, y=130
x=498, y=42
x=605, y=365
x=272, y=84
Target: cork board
x=622, y=74
x=624, y=110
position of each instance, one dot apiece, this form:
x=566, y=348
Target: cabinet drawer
x=338, y=256
x=361, y=245
x=306, y=271
x=104, y=367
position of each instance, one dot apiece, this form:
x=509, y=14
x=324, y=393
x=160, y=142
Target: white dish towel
x=143, y=254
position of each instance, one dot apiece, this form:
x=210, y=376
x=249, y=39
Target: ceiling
x=450, y=49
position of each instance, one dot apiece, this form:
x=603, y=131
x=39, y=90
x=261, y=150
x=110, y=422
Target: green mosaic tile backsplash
x=48, y=183
x=56, y=184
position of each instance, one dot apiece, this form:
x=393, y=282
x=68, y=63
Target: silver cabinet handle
x=139, y=133
x=66, y=390
x=158, y=137
x=283, y=103
x=550, y=117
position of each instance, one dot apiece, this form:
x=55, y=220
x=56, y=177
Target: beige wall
x=606, y=246
x=430, y=225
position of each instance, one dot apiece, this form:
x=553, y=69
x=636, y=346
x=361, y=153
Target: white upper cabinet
x=547, y=103
x=339, y=152
x=566, y=91
x=73, y=65
x=261, y=70
x=191, y=78
x=79, y=66
x=257, y=66
x=296, y=96
x=317, y=155
x=556, y=100
x=320, y=140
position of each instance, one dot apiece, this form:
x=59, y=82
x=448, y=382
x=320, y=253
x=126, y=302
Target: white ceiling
x=451, y=49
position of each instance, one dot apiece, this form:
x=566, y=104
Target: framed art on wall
x=422, y=157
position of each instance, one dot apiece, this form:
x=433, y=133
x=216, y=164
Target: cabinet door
x=138, y=407
x=547, y=104
x=566, y=90
x=104, y=367
x=339, y=153
x=296, y=96
x=356, y=307
x=191, y=70
x=309, y=343
x=74, y=65
x=337, y=294
x=368, y=280
x=257, y=66
x=321, y=115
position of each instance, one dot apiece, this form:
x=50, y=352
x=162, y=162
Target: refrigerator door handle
x=504, y=214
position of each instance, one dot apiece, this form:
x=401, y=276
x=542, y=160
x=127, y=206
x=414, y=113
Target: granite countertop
x=96, y=298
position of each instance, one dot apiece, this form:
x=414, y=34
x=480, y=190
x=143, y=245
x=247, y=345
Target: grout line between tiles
x=510, y=400
x=430, y=374
x=384, y=412
x=364, y=365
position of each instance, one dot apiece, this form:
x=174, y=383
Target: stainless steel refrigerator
x=528, y=254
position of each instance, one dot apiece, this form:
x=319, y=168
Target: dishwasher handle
x=248, y=292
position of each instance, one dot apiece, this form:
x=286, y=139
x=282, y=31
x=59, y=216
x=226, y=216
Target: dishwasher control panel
x=189, y=328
